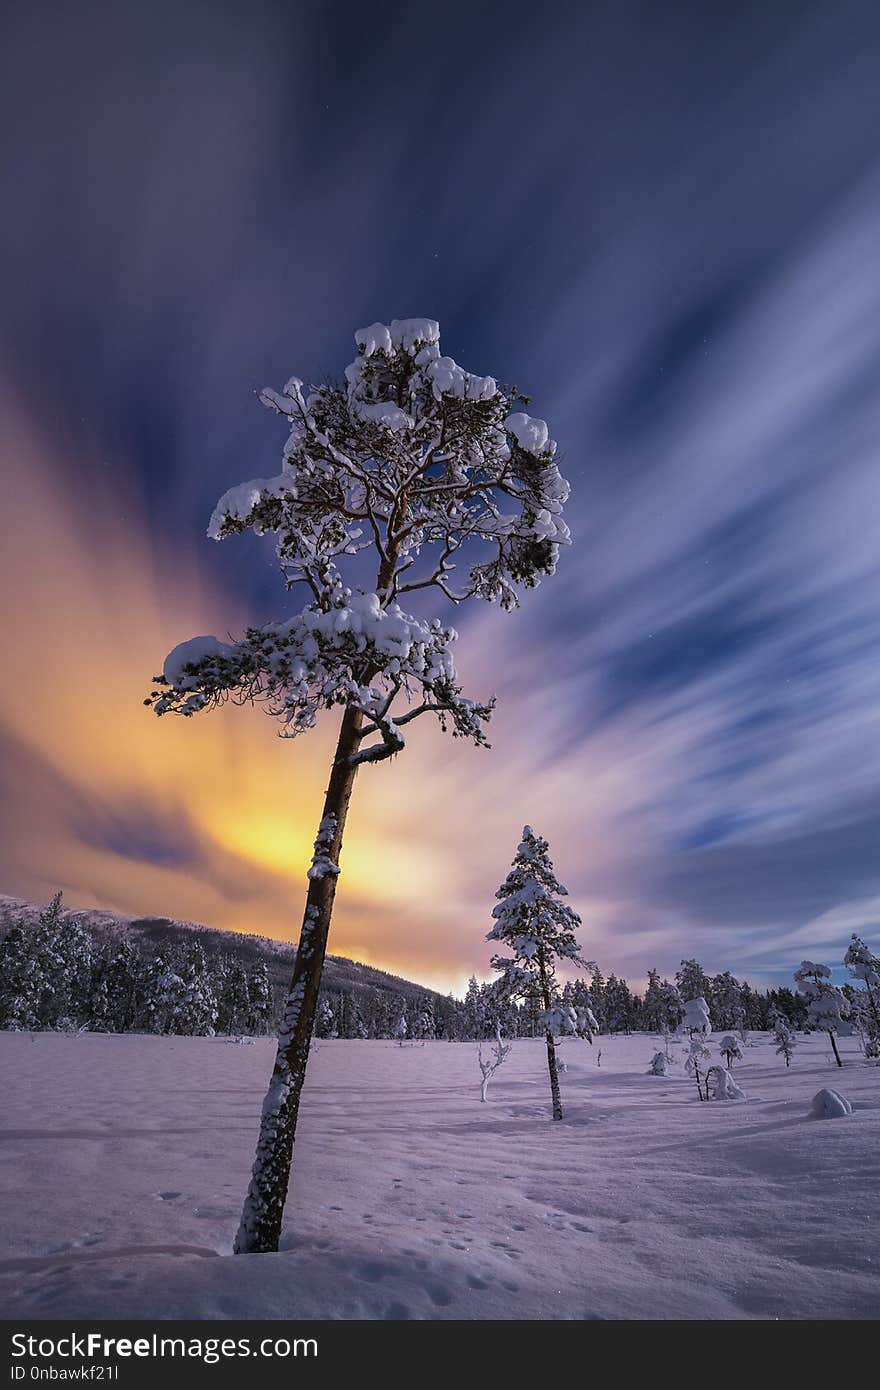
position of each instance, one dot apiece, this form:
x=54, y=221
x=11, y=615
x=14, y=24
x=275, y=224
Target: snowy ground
x=124, y=1161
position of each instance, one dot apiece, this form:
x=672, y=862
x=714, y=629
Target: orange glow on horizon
x=96, y=779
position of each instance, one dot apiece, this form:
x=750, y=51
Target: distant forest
x=56, y=973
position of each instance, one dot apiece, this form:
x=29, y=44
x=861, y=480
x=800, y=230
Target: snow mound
x=829, y=1105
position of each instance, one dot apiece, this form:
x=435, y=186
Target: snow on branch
x=354, y=652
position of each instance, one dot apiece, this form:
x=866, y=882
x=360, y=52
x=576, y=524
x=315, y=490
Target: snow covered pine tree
x=424, y=463
x=540, y=930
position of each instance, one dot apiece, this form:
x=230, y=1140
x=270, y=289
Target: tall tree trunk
x=834, y=1045
x=555, y=1095
x=261, y=1217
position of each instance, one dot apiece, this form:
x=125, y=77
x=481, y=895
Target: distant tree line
x=55, y=974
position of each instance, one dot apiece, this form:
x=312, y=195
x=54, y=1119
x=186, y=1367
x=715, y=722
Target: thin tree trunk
x=263, y=1211
x=554, y=1077
x=555, y=1095
x=834, y=1046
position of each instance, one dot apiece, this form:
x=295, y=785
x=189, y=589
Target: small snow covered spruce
x=453, y=487
x=539, y=929
x=784, y=1038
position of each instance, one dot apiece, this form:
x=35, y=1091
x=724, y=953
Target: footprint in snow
x=372, y=1271
x=396, y=1312
x=439, y=1295
x=168, y=1196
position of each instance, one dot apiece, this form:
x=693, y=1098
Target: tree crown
x=429, y=466
x=532, y=920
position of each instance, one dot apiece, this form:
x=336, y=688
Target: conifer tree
x=431, y=468
x=123, y=972
x=259, y=993
x=233, y=997
x=473, y=1009
x=20, y=984
x=539, y=929
x=784, y=1038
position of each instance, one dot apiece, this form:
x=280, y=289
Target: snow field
x=125, y=1160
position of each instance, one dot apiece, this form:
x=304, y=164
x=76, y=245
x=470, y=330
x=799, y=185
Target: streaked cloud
x=671, y=245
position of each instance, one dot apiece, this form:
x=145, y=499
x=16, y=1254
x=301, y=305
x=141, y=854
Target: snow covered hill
x=150, y=932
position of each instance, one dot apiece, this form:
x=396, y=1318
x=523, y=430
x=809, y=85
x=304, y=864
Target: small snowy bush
x=489, y=1065
x=731, y=1049
x=720, y=1085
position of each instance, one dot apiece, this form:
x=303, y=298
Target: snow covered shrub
x=828, y=1007
x=829, y=1105
x=400, y=1031
x=731, y=1050
x=539, y=929
x=450, y=486
x=698, y=1057
x=784, y=1037
x=696, y=1017
x=720, y=1085
x=659, y=1064
x=489, y=1065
